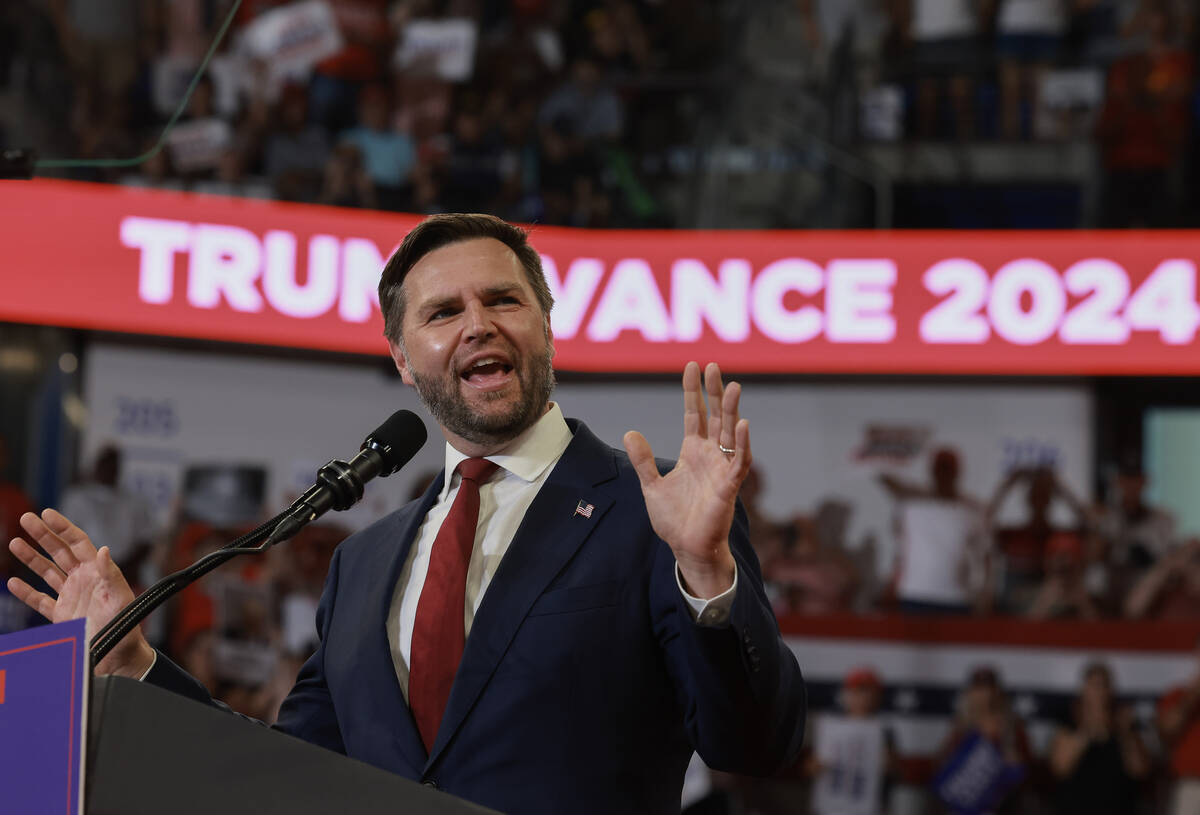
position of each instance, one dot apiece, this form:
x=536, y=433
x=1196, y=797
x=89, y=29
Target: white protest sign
x=852, y=755
x=293, y=38
x=443, y=48
x=1068, y=103
x=198, y=144
x=883, y=113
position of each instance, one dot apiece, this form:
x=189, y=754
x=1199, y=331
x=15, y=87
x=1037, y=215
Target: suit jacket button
x=429, y=782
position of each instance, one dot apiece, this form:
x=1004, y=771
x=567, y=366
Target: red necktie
x=438, y=630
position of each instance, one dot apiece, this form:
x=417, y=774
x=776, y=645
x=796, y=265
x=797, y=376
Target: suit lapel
x=547, y=539
x=392, y=706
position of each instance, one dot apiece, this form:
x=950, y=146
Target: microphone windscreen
x=397, y=440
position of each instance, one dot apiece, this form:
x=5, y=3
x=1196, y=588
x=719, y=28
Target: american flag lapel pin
x=584, y=509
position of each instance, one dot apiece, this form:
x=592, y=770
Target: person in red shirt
x=1064, y=594
x=1024, y=545
x=816, y=578
x=1142, y=127
x=13, y=501
x=1179, y=728
x=337, y=80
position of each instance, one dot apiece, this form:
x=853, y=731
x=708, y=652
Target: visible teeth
x=483, y=362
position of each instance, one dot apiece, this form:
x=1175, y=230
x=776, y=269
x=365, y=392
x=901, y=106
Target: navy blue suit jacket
x=584, y=684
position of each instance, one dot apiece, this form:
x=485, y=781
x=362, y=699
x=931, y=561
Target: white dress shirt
x=503, y=502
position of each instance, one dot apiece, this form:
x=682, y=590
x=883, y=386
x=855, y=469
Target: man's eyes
x=450, y=311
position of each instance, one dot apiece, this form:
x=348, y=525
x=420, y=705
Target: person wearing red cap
x=854, y=755
x=861, y=679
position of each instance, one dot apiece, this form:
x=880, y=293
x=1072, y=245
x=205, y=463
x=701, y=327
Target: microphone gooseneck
x=339, y=484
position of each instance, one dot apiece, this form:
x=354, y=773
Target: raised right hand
x=87, y=582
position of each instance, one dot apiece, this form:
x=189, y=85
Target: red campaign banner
x=236, y=270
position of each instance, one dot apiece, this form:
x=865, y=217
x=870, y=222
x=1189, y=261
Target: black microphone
x=340, y=484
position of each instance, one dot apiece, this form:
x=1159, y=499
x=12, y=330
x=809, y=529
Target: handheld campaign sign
x=43, y=707
x=976, y=778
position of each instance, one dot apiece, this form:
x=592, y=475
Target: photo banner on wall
x=267, y=273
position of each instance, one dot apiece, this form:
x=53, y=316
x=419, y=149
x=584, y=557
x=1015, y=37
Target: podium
x=150, y=751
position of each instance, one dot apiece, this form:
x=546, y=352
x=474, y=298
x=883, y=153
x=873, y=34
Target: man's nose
x=478, y=322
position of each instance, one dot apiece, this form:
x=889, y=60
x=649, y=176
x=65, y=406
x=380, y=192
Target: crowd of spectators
x=1004, y=69
x=1100, y=755
x=535, y=110
x=1120, y=558
x=1118, y=74
x=245, y=629
x=587, y=112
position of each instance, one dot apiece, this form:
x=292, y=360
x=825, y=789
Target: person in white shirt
x=114, y=516
x=943, y=562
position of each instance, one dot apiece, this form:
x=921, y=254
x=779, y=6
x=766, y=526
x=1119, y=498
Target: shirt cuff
x=713, y=612
x=154, y=662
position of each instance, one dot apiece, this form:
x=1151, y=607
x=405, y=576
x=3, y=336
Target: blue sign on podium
x=43, y=713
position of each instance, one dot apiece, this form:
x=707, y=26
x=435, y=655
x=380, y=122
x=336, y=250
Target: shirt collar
x=529, y=454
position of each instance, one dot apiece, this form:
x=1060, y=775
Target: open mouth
x=487, y=373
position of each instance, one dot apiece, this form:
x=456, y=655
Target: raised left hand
x=691, y=507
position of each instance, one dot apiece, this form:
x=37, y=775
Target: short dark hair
x=437, y=231
x=1099, y=669
x=984, y=675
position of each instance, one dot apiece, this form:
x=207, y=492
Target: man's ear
x=401, y=362
x=550, y=338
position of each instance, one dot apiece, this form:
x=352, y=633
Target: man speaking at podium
x=555, y=625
